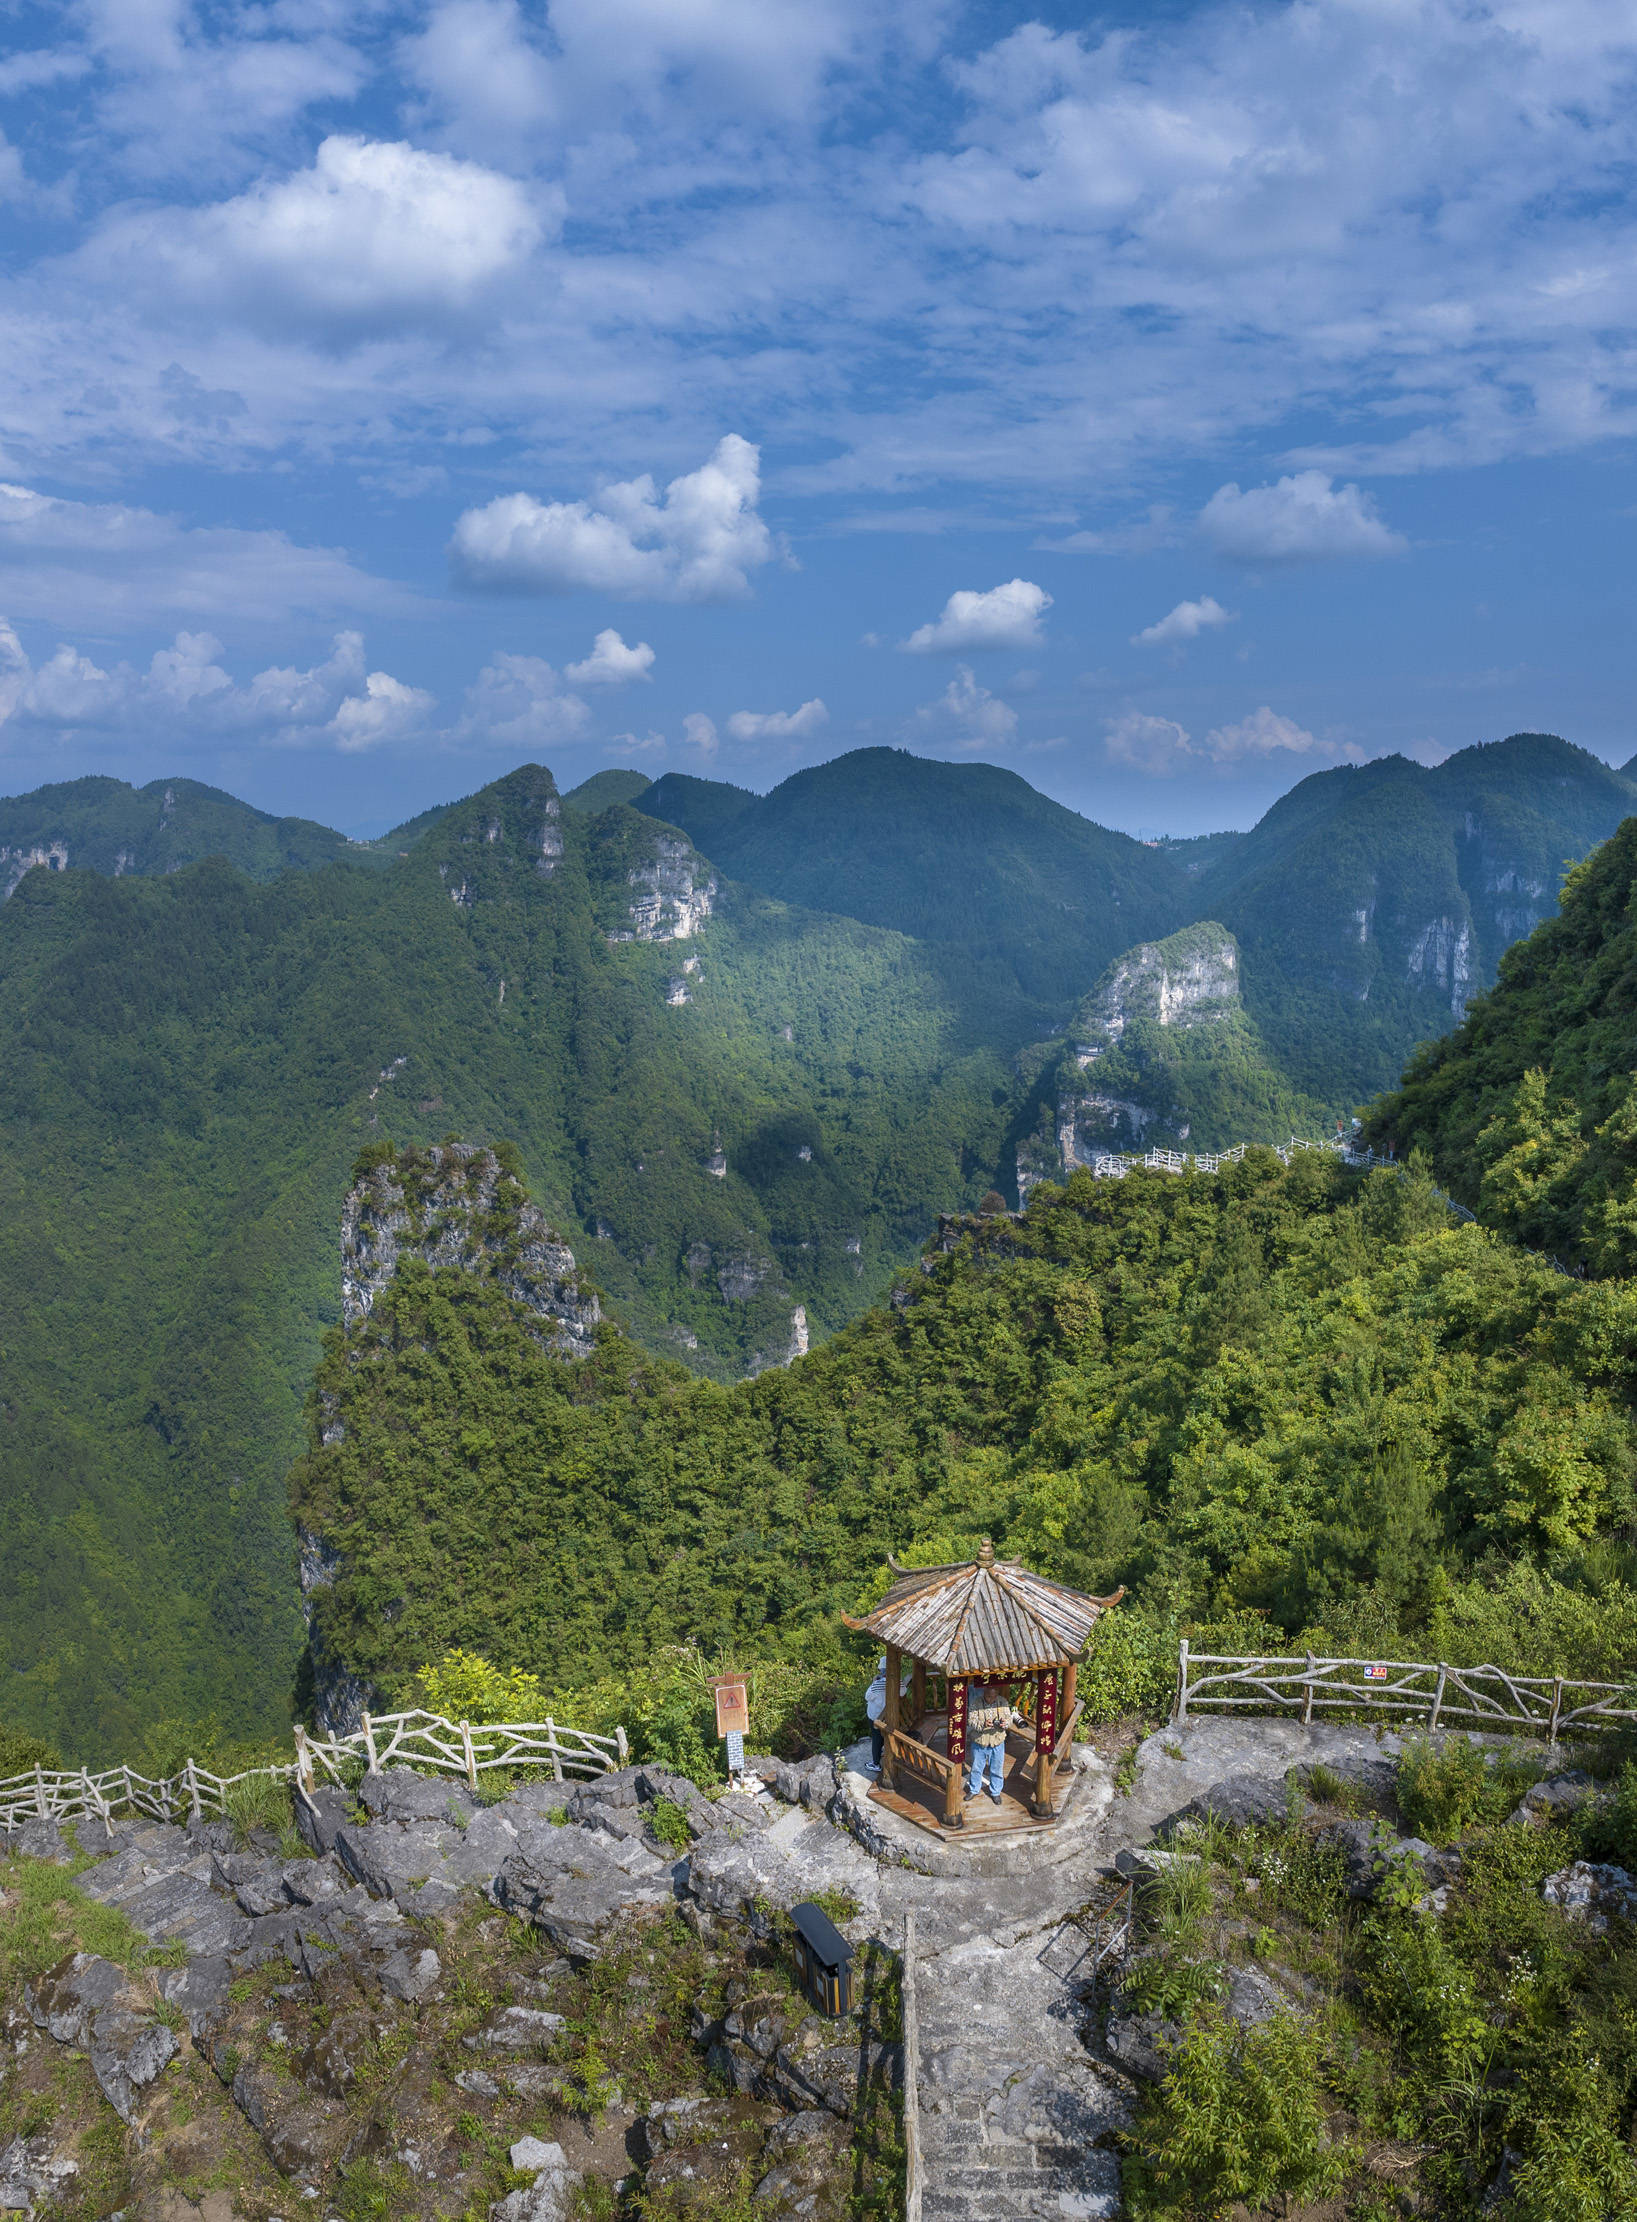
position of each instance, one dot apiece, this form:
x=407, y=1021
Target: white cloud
x=970, y=714
x=697, y=545
x=641, y=744
x=1186, y=622
x=106, y=563
x=1301, y=519
x=1156, y=530
x=699, y=732
x=519, y=702
x=387, y=710
x=1149, y=744
x=1006, y=617
x=375, y=233
x=1260, y=734
x=1161, y=747
x=779, y=725
x=185, y=700
x=611, y=663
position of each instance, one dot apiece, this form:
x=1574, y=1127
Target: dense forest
x=1282, y=1402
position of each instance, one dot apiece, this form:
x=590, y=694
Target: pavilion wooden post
x=1071, y=1686
x=1045, y=1740
x=917, y=1695
x=889, y=1717
x=955, y=1787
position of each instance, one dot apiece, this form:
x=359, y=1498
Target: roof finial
x=986, y=1553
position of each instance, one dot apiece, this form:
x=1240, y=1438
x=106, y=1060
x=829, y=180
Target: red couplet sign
x=732, y=1709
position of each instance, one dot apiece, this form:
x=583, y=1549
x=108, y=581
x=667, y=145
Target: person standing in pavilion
x=988, y=1717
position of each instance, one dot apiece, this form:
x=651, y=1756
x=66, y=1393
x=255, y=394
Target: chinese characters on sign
x=733, y=1719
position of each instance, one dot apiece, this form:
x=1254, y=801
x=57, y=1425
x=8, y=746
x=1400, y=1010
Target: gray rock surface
x=1592, y=1894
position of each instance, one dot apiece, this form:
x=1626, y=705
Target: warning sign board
x=732, y=1709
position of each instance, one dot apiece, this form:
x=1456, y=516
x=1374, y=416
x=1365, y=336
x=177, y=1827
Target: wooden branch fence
x=1435, y=1693
x=425, y=1742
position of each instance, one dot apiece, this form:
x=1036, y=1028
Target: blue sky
x=1166, y=403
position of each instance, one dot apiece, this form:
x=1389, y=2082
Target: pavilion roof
x=986, y=1617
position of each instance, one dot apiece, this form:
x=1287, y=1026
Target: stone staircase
x=1011, y=2104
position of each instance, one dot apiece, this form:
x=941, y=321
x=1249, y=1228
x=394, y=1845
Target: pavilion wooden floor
x=922, y=1802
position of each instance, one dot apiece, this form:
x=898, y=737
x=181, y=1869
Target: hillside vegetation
x=189, y=1065
x=1269, y=1401
x=1528, y=1109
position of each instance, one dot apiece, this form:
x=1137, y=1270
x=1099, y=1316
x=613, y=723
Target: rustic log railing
x=917, y=1758
x=1437, y=1693
x=422, y=1741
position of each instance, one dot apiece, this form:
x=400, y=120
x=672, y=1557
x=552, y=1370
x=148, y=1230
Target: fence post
x=1180, y=1711
x=304, y=1761
x=191, y=1777
x=556, y=1755
x=1557, y=1706
x=1438, y=1697
x=912, y=2078
x=40, y=1806
x=624, y=1747
x=471, y=1756
x=369, y=1743
x=1307, y=1694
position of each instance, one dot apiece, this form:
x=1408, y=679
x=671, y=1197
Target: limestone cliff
x=457, y=1205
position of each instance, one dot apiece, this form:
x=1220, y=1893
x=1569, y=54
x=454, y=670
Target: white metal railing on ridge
x=1430, y=1691
x=419, y=1740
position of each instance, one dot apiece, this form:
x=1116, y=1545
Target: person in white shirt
x=875, y=1705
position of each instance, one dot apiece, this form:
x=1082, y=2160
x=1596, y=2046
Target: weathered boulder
x=411, y=1976
x=551, y=2195
x=1141, y=2044
x=38, y=1839
x=399, y=1794
x=32, y=2171
x=1371, y=1852
x=321, y=1815
x=1555, y=1798
x=303, y=2134
x=807, y=2175
x=515, y=2029
x=200, y=1987
x=1592, y=1894
x=89, y=2002
x=1245, y=1800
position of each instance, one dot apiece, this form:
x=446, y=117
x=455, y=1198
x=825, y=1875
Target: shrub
x=1238, y=2118
x=20, y=1752
x=670, y=1824
x=464, y=1686
x=259, y=1802
x=1444, y=1789
x=1132, y=1667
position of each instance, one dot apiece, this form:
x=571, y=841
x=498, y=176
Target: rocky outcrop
x=674, y=890
x=457, y=1206
x=1187, y=980
x=14, y=862
x=1440, y=956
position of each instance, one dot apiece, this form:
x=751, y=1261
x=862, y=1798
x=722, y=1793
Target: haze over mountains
x=746, y=1049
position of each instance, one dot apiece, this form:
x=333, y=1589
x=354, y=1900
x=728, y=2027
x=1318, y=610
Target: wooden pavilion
x=989, y=1621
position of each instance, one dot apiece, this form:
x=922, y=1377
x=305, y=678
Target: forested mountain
x=741, y=1115
x=1373, y=902
x=732, y=1109
x=109, y=827
x=962, y=853
x=1530, y=1108
x=1270, y=1401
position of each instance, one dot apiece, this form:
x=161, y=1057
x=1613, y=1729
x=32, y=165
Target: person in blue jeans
x=988, y=1718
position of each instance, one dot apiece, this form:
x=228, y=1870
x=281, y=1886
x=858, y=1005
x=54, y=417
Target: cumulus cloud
x=611, y=663
x=699, y=732
x=111, y=564
x=1186, y=622
x=1305, y=518
x=520, y=702
x=779, y=725
x=185, y=698
x=1006, y=617
x=375, y=232
x=1260, y=734
x=1160, y=746
x=697, y=545
x=969, y=715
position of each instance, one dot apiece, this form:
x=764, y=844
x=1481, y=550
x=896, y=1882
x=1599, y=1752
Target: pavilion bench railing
x=917, y=1758
x=1435, y=1693
x=423, y=1741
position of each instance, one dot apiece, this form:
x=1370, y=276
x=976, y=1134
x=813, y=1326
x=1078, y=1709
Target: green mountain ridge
x=106, y=826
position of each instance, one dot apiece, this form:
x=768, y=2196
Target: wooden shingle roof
x=988, y=1617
